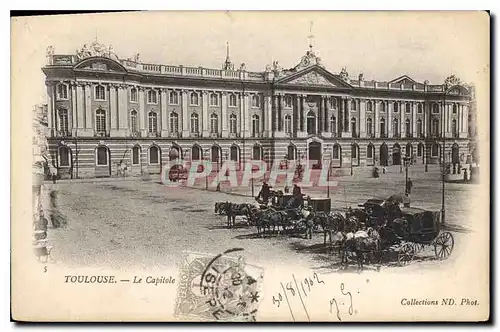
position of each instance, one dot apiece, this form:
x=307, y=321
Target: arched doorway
x=235, y=156
x=291, y=152
x=336, y=155
x=315, y=153
x=154, y=159
x=103, y=162
x=384, y=155
x=355, y=154
x=421, y=152
x=216, y=154
x=257, y=152
x=396, y=154
x=409, y=150
x=455, y=158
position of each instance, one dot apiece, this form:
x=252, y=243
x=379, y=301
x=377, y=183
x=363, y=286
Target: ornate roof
x=95, y=49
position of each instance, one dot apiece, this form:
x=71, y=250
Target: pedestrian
x=409, y=186
x=229, y=211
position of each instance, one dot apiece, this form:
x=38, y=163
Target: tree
x=452, y=80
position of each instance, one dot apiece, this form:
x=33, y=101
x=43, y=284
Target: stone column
x=402, y=114
x=184, y=111
x=142, y=113
x=362, y=119
x=303, y=117
x=72, y=114
x=123, y=113
x=80, y=108
x=89, y=116
x=347, y=109
x=280, y=113
x=268, y=114
x=246, y=114
x=164, y=112
x=204, y=110
x=296, y=118
x=113, y=110
x=426, y=118
x=376, y=121
x=414, y=118
x=50, y=108
x=225, y=131
x=464, y=128
x=442, y=108
x=390, y=107
x=324, y=101
x=340, y=116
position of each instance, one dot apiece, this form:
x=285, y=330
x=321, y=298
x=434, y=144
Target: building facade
x=105, y=112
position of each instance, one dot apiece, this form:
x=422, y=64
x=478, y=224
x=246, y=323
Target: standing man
x=409, y=185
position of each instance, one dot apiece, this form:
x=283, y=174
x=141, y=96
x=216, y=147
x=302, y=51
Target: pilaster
x=376, y=108
x=204, y=110
x=164, y=112
x=142, y=115
x=113, y=110
x=225, y=131
x=362, y=119
x=184, y=111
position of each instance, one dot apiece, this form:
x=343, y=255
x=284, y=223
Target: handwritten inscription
x=338, y=304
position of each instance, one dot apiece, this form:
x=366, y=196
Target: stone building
x=106, y=112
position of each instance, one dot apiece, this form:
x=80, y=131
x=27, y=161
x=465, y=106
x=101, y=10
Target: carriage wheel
x=406, y=254
x=418, y=247
x=443, y=245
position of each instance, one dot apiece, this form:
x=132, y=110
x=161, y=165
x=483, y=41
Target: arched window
x=133, y=95
x=288, y=101
x=370, y=151
x=195, y=153
x=353, y=105
x=255, y=125
x=64, y=156
x=419, y=108
x=136, y=151
x=152, y=97
x=102, y=156
x=396, y=107
x=288, y=123
x=152, y=122
x=133, y=121
x=255, y=101
x=435, y=108
x=382, y=127
x=100, y=121
x=408, y=108
x=311, y=122
x=408, y=127
x=154, y=155
x=409, y=150
x=100, y=93
x=354, y=127
x=435, y=150
x=194, y=99
x=369, y=126
x=194, y=123
x=336, y=152
x=63, y=120
x=214, y=99
x=420, y=150
x=333, y=124
x=455, y=108
x=291, y=152
x=214, y=123
x=62, y=91
x=395, y=127
x=354, y=151
x=435, y=126
x=232, y=100
x=173, y=98
x=454, y=127
x=419, y=128
x=382, y=106
x=234, y=153
x=333, y=102
x=256, y=152
x=174, y=122
x=368, y=106
x=233, y=124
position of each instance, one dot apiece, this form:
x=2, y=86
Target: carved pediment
x=101, y=64
x=405, y=79
x=312, y=78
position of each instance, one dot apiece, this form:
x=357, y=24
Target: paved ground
x=143, y=223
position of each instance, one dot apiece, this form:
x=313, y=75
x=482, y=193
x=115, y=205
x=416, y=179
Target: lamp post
x=406, y=161
x=218, y=177
x=445, y=87
x=206, y=177
x=352, y=146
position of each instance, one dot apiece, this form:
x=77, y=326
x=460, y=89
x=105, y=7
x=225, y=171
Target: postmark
x=219, y=288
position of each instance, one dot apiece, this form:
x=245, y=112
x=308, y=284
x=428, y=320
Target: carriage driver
x=308, y=220
x=264, y=193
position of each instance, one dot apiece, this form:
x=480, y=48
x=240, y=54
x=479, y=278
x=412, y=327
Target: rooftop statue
x=95, y=49
x=344, y=74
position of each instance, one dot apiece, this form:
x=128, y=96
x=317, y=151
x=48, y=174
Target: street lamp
x=406, y=161
x=218, y=178
x=206, y=176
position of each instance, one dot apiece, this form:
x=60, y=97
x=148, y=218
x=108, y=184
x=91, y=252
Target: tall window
x=232, y=100
x=288, y=123
x=154, y=155
x=435, y=127
x=195, y=153
x=311, y=122
x=100, y=121
x=382, y=106
x=102, y=156
x=396, y=107
x=255, y=125
x=215, y=153
x=133, y=95
x=435, y=150
x=214, y=123
x=353, y=105
x=455, y=108
x=408, y=127
x=333, y=124
x=370, y=149
x=133, y=121
x=173, y=98
x=420, y=150
x=336, y=152
x=369, y=126
x=419, y=108
x=333, y=102
x=152, y=97
x=408, y=108
x=395, y=127
x=256, y=152
x=100, y=93
x=234, y=153
x=214, y=99
x=454, y=127
x=64, y=156
x=354, y=151
x=174, y=122
x=233, y=124
x=135, y=155
x=288, y=101
x=194, y=99
x=291, y=152
x=63, y=120
x=435, y=108
x=255, y=101
x=62, y=91
x=152, y=122
x=419, y=127
x=194, y=123
x=382, y=127
x=368, y=106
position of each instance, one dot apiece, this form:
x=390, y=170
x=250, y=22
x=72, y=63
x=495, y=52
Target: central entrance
x=315, y=153
x=396, y=154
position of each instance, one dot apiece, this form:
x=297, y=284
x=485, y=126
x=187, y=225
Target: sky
x=381, y=45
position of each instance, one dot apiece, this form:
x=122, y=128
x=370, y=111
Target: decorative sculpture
x=344, y=74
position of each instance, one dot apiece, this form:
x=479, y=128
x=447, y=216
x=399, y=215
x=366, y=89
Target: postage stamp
x=219, y=288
